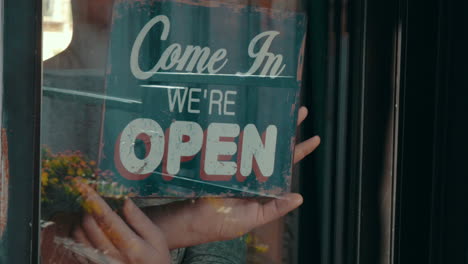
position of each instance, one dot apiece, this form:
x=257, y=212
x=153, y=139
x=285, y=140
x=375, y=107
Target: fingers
x=97, y=238
x=121, y=236
x=142, y=225
x=105, y=228
x=93, y=253
x=277, y=208
x=301, y=115
x=80, y=237
x=305, y=148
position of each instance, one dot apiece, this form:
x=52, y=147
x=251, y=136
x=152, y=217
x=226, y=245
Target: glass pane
x=168, y=130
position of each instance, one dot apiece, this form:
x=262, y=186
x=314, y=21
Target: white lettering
x=135, y=55
x=193, y=58
x=128, y=137
x=193, y=100
x=214, y=101
x=185, y=140
x=215, y=148
x=173, y=99
x=274, y=63
x=253, y=147
x=228, y=102
x=173, y=51
x=218, y=56
x=177, y=148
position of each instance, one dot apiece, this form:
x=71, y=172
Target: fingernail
x=297, y=199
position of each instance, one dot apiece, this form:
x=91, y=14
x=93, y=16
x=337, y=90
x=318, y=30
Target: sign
x=202, y=101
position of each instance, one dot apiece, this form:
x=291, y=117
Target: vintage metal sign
x=202, y=101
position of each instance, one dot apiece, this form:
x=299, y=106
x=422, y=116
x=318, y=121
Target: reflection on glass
x=109, y=191
x=57, y=27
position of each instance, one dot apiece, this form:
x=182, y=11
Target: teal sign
x=202, y=101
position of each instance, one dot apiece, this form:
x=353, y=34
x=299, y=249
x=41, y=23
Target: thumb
x=277, y=208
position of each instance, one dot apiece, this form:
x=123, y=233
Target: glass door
x=168, y=130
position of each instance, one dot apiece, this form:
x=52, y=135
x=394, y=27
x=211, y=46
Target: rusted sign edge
x=236, y=6
x=4, y=182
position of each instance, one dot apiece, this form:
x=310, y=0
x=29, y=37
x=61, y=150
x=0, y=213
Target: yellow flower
x=55, y=163
x=45, y=178
x=249, y=239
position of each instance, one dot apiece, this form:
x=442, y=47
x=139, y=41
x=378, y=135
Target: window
x=169, y=103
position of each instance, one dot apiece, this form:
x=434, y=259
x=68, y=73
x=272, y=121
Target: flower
x=57, y=175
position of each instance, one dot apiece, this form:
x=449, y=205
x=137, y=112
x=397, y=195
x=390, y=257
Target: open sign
x=207, y=109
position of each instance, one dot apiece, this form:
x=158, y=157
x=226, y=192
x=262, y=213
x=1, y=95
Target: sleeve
x=225, y=252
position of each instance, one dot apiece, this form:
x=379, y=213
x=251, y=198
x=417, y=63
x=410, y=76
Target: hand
x=206, y=220
x=135, y=240
x=303, y=149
